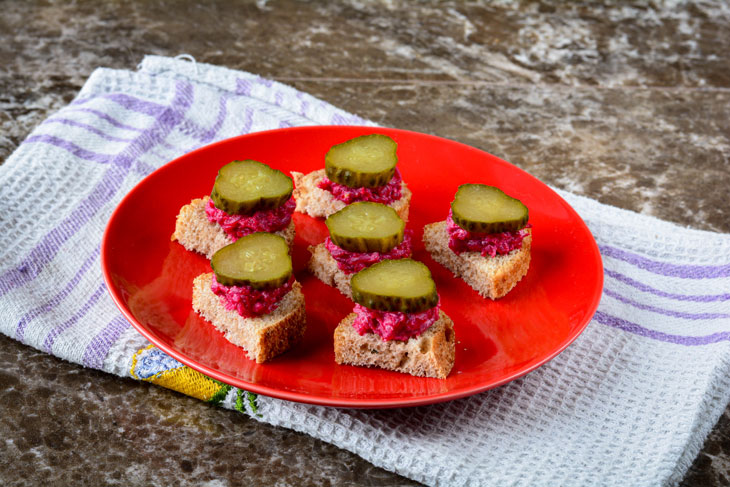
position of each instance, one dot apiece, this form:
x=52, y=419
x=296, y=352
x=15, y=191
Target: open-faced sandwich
x=397, y=323
x=361, y=234
x=247, y=197
x=485, y=239
x=252, y=297
x=360, y=169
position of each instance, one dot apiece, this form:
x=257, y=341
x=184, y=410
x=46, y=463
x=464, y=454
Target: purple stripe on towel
x=49, y=245
x=119, y=160
x=625, y=325
x=129, y=102
x=243, y=87
x=102, y=193
x=58, y=329
x=88, y=128
x=193, y=129
x=102, y=116
x=55, y=300
x=98, y=348
x=303, y=105
x=248, y=121
x=705, y=298
x=667, y=312
x=74, y=149
x=222, y=114
x=686, y=271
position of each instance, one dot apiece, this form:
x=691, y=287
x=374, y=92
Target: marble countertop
x=627, y=104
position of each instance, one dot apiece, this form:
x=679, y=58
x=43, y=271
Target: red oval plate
x=150, y=277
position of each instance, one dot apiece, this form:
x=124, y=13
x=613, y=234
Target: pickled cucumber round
x=367, y=161
x=395, y=285
x=480, y=208
x=366, y=227
x=260, y=260
x=243, y=187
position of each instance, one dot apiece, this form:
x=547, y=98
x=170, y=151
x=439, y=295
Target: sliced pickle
x=243, y=187
x=367, y=161
x=260, y=260
x=480, y=208
x=395, y=285
x=366, y=227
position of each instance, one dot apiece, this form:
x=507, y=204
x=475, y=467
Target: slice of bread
x=431, y=354
x=263, y=337
x=196, y=233
x=320, y=203
x=325, y=268
x=492, y=277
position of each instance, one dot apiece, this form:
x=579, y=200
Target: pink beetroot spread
x=393, y=325
x=249, y=302
x=382, y=194
x=488, y=244
x=237, y=226
x=352, y=262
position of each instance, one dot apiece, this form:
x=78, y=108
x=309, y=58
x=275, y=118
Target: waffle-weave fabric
x=629, y=403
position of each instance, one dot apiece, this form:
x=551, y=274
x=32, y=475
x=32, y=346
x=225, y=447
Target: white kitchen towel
x=629, y=403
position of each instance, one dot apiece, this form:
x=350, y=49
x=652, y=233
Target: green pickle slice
x=395, y=285
x=366, y=227
x=367, y=161
x=485, y=209
x=260, y=260
x=243, y=187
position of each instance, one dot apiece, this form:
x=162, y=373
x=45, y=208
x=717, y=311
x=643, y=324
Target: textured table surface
x=627, y=104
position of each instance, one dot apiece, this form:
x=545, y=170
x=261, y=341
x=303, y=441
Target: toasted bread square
x=325, y=268
x=492, y=277
x=431, y=354
x=262, y=337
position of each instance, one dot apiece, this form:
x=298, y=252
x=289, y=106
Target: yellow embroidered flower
x=151, y=364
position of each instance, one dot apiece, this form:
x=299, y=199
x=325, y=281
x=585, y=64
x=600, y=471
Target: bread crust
x=320, y=203
x=196, y=233
x=325, y=268
x=430, y=354
x=262, y=337
x=491, y=277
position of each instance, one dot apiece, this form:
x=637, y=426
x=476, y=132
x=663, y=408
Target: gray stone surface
x=628, y=104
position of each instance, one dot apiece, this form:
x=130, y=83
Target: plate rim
x=333, y=401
